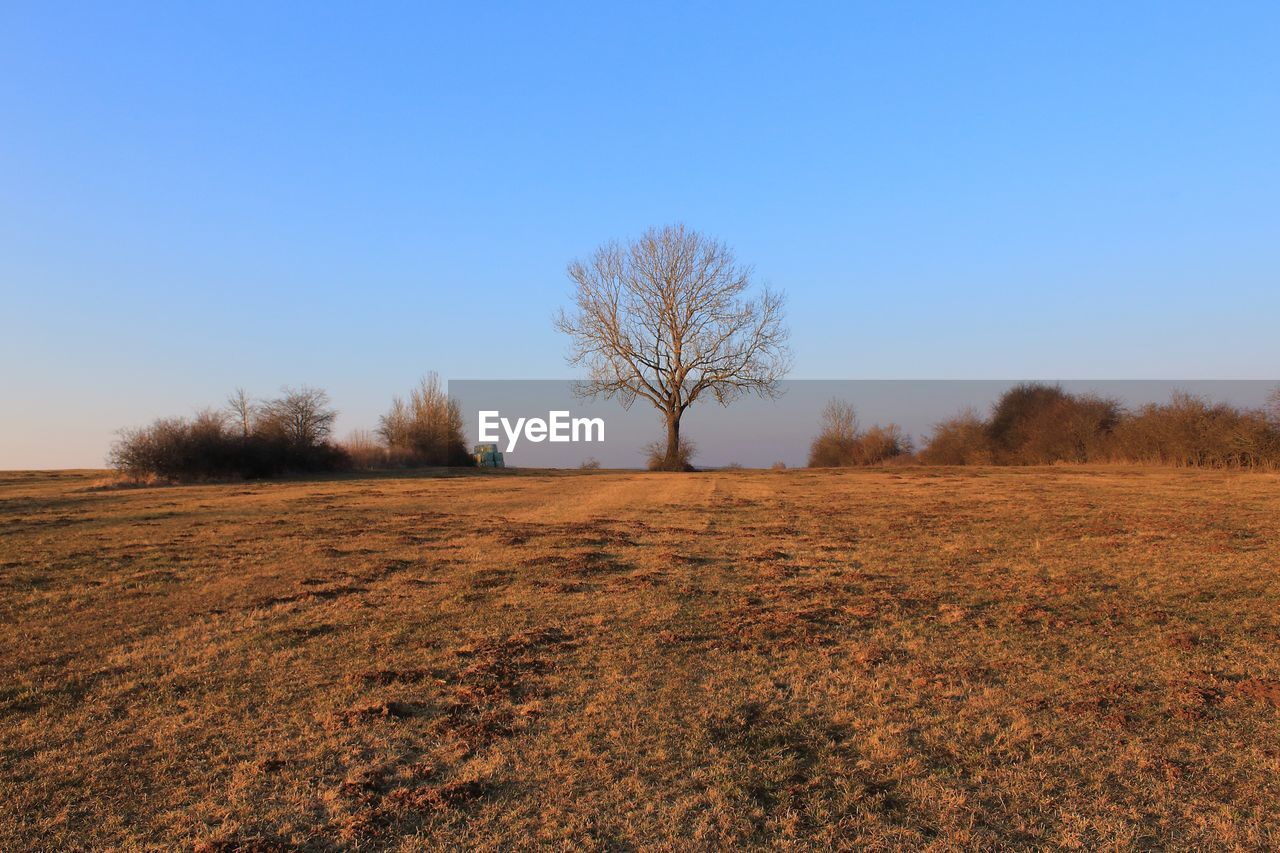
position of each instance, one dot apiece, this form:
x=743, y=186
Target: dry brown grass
x=910, y=658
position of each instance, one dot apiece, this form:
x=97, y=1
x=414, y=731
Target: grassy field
x=901, y=658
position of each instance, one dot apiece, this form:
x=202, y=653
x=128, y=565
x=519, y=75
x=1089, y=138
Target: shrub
x=1020, y=412
x=205, y=447
x=365, y=450
x=656, y=456
x=590, y=464
x=1190, y=432
x=1038, y=424
x=841, y=444
x=882, y=444
x=961, y=440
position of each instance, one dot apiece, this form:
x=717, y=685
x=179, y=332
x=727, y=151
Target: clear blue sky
x=199, y=196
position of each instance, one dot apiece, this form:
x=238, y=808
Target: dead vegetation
x=1039, y=424
x=841, y=443
x=906, y=658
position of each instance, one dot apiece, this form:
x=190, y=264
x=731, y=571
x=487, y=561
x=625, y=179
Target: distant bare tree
x=243, y=410
x=302, y=416
x=837, y=436
x=668, y=318
x=396, y=426
x=1273, y=406
x=429, y=425
x=839, y=420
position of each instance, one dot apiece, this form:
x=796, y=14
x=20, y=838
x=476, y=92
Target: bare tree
x=429, y=425
x=396, y=426
x=668, y=318
x=302, y=416
x=243, y=410
x=837, y=437
x=840, y=420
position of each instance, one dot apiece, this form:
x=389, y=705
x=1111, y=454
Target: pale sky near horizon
x=195, y=197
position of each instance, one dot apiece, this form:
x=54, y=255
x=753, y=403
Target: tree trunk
x=673, y=462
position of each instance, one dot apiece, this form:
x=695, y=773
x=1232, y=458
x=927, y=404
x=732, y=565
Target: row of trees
x=1041, y=424
x=247, y=438
x=290, y=434
x=673, y=318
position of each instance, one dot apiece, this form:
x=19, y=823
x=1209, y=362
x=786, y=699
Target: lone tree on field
x=669, y=317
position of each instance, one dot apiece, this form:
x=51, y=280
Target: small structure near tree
x=488, y=456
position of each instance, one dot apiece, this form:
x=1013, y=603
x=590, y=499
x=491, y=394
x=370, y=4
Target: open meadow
x=903, y=657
